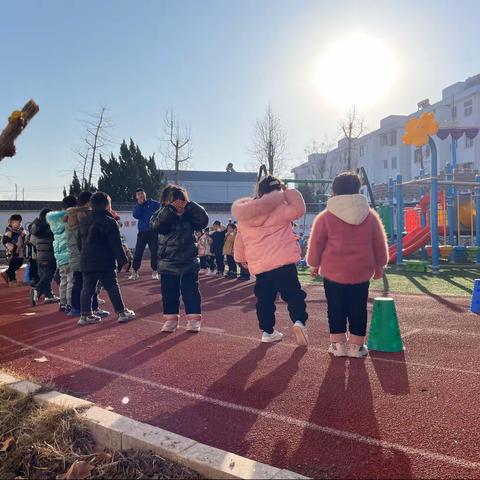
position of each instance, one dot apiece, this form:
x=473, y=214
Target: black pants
x=283, y=280
x=13, y=265
x=149, y=238
x=172, y=285
x=211, y=262
x=244, y=273
x=46, y=271
x=109, y=282
x=33, y=272
x=203, y=262
x=219, y=260
x=347, y=303
x=77, y=291
x=232, y=265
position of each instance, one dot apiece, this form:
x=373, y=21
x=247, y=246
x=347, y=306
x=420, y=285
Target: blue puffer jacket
x=56, y=220
x=143, y=213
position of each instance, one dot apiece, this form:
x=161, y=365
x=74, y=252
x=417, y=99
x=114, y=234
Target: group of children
x=82, y=243
x=347, y=246
x=216, y=244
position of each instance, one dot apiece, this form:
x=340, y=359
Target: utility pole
x=16, y=192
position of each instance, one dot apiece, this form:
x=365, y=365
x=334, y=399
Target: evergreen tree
x=64, y=192
x=121, y=176
x=75, y=187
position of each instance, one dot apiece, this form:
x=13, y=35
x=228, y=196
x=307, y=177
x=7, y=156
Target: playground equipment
x=17, y=121
x=384, y=335
x=431, y=220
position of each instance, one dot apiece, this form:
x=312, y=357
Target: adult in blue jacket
x=143, y=211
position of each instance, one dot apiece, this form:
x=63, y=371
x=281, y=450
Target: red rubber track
x=403, y=415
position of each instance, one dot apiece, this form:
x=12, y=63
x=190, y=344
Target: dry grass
x=44, y=442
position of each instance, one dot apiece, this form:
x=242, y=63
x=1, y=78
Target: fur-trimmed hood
x=75, y=215
x=352, y=209
x=248, y=209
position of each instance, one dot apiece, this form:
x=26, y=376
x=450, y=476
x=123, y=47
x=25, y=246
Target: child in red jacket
x=348, y=246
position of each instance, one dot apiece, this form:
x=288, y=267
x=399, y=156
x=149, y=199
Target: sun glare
x=356, y=70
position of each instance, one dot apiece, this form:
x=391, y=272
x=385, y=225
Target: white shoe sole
x=272, y=340
x=300, y=335
x=193, y=328
x=336, y=354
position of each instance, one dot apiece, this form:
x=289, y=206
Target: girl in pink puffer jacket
x=267, y=246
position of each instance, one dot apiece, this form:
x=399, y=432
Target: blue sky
x=218, y=63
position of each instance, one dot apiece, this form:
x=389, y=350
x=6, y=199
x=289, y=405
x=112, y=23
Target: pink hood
x=265, y=238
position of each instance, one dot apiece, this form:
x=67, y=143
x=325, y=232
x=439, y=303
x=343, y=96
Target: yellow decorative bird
x=417, y=130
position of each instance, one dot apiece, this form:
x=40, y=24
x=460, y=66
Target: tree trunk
x=177, y=166
x=271, y=165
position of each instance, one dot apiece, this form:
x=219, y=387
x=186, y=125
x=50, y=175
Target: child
x=218, y=240
x=178, y=262
x=73, y=218
x=267, y=246
x=13, y=240
x=100, y=253
x=204, y=242
x=228, y=248
x=349, y=246
x=42, y=242
x=56, y=220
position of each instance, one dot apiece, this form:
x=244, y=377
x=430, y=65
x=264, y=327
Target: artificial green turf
x=456, y=281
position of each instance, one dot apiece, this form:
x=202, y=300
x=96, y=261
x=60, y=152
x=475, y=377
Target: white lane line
x=356, y=437
x=411, y=332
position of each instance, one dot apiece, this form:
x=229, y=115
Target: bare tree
x=352, y=128
x=95, y=139
x=321, y=168
x=269, y=142
x=178, y=141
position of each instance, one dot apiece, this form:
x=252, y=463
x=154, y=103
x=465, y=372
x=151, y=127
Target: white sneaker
x=300, y=331
x=170, y=326
x=126, y=316
x=89, y=320
x=154, y=275
x=272, y=337
x=193, y=325
x=52, y=299
x=338, y=349
x=356, y=351
x=134, y=276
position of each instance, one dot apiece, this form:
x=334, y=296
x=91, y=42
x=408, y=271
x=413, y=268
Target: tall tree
x=352, y=128
x=177, y=151
x=95, y=141
x=269, y=142
x=121, y=176
x=75, y=186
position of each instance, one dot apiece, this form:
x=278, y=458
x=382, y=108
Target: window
x=383, y=139
x=427, y=151
x=454, y=111
x=468, y=108
x=394, y=163
x=385, y=164
x=393, y=137
x=418, y=155
x=468, y=142
x=362, y=150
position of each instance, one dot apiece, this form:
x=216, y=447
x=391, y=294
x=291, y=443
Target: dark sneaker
x=101, y=313
x=74, y=312
x=63, y=308
x=52, y=299
x=33, y=297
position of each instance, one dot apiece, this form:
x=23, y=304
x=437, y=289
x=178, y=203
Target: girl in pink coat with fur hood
x=348, y=246
x=267, y=246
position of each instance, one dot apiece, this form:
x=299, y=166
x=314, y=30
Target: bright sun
x=356, y=70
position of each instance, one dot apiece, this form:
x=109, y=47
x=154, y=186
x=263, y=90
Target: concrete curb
x=117, y=432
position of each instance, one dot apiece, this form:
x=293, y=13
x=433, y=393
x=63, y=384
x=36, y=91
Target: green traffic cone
x=384, y=333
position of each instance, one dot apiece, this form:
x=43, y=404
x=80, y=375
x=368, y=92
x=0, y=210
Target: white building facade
x=383, y=154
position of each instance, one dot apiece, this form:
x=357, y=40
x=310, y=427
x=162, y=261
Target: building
x=215, y=187
x=383, y=154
